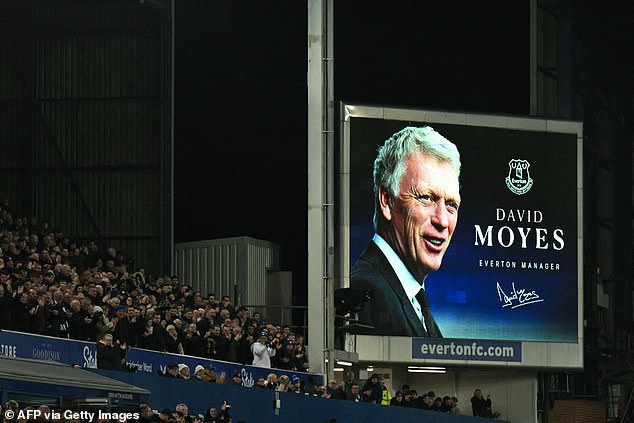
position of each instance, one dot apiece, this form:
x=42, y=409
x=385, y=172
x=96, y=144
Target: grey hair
x=389, y=165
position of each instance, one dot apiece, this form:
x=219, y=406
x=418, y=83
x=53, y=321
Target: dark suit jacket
x=389, y=311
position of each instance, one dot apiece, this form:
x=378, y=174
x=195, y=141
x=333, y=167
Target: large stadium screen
x=512, y=270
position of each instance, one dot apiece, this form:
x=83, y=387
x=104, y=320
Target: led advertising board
x=512, y=270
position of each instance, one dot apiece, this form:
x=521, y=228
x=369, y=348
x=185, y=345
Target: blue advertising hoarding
x=84, y=354
x=512, y=271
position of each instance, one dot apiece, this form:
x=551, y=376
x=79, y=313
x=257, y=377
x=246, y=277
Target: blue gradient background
x=463, y=295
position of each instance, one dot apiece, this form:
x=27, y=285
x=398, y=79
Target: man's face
x=183, y=409
x=424, y=214
x=146, y=412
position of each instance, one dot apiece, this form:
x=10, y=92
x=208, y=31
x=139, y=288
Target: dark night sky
x=241, y=97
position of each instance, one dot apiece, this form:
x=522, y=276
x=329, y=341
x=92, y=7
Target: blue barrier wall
x=255, y=405
x=23, y=345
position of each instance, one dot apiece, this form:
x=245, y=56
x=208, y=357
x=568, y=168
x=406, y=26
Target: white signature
x=518, y=297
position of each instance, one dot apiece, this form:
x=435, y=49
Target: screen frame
x=560, y=355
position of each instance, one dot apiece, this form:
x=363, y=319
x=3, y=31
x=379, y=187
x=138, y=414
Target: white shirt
x=262, y=354
x=409, y=283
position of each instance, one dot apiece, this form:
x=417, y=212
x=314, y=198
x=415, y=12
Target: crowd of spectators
x=374, y=391
x=144, y=414
x=51, y=285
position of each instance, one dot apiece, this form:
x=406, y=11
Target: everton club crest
x=519, y=179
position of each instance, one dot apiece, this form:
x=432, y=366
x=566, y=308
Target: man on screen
x=416, y=200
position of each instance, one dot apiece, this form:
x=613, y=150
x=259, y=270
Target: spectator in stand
x=110, y=356
x=242, y=346
x=426, y=402
x=193, y=343
x=93, y=315
x=397, y=400
x=386, y=395
x=301, y=356
x=354, y=394
x=207, y=321
x=481, y=406
x=152, y=337
x=56, y=315
x=127, y=327
x=165, y=416
x=228, y=305
x=447, y=404
x=227, y=336
x=182, y=408
x=172, y=341
x=210, y=375
x=372, y=390
x=349, y=380
x=236, y=378
x=454, y=408
x=286, y=356
x=183, y=371
x=243, y=315
x=146, y=415
x=437, y=405
x=334, y=390
x=283, y=384
x=220, y=343
x=262, y=352
x=212, y=415
x=75, y=316
x=271, y=381
x=171, y=371
x=5, y=306
x=199, y=373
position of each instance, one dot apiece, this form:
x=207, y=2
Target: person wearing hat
x=262, y=352
x=49, y=277
x=296, y=385
x=286, y=356
x=236, y=378
x=397, y=400
x=372, y=390
x=199, y=372
x=183, y=371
